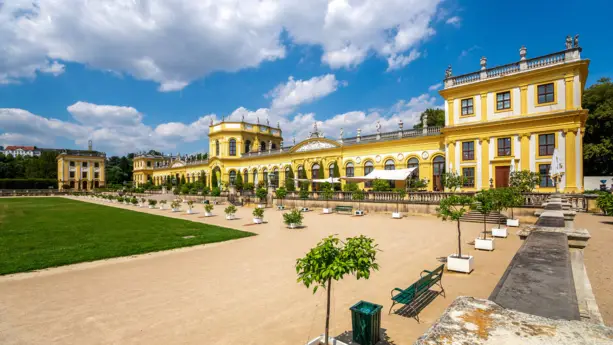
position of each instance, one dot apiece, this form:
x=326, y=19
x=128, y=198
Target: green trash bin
x=366, y=322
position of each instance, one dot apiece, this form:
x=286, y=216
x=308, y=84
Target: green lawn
x=37, y=233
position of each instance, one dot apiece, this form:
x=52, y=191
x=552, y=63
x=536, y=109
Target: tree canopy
x=598, y=141
x=436, y=117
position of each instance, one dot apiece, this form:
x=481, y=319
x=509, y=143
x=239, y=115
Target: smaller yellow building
x=81, y=170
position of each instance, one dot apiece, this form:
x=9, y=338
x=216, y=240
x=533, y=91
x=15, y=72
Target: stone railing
x=568, y=55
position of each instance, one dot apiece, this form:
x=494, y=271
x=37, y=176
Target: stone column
x=570, y=161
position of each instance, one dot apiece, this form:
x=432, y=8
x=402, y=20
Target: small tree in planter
x=258, y=215
x=453, y=208
x=262, y=194
x=326, y=193
x=452, y=181
x=401, y=193
x=230, y=211
x=484, y=204
x=142, y=202
x=152, y=203
x=293, y=219
x=304, y=195
x=175, y=205
x=331, y=260
x=281, y=193
x=119, y=199
x=524, y=181
x=134, y=201
x=190, y=205
x=208, y=210
x=162, y=204
x=502, y=198
x=358, y=195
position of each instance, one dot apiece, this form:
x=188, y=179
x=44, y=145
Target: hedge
x=22, y=183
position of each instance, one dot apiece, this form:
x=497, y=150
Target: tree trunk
x=484, y=225
x=326, y=333
x=459, y=240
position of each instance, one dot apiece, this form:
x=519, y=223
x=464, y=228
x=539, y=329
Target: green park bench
x=418, y=295
x=339, y=209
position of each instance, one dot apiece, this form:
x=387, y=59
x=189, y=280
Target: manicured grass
x=37, y=233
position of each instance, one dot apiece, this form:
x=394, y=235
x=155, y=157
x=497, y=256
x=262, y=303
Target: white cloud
x=399, y=61
x=465, y=52
x=435, y=87
x=174, y=42
x=105, y=115
x=455, y=21
x=288, y=96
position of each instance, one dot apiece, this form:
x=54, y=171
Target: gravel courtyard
x=242, y=291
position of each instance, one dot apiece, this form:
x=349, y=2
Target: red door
x=502, y=176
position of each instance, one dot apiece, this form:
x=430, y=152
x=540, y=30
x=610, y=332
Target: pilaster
x=525, y=150
x=450, y=109
x=485, y=163
x=571, y=166
x=484, y=107
x=523, y=92
x=569, y=86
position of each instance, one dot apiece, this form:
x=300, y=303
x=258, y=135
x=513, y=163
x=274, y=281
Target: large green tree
x=436, y=118
x=598, y=139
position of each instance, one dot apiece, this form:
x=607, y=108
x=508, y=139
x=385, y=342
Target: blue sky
x=138, y=75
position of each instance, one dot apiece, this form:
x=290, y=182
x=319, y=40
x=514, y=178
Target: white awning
x=392, y=175
x=324, y=180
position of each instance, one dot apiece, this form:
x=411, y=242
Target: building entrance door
x=502, y=176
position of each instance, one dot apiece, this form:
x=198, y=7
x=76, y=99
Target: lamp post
x=491, y=182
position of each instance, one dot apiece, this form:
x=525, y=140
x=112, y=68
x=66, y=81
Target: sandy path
x=599, y=261
x=238, y=292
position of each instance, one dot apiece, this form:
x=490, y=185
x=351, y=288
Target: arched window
x=245, y=177
x=389, y=165
x=438, y=169
x=247, y=146
x=349, y=169
x=287, y=168
x=301, y=173
x=413, y=163
x=265, y=176
x=262, y=146
x=331, y=170
x=216, y=147
x=232, y=147
x=368, y=168
x=314, y=175
x=255, y=177
x=274, y=179
x=232, y=177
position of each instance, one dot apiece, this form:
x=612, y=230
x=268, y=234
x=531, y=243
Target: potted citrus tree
x=174, y=205
x=230, y=212
x=331, y=260
x=524, y=181
x=134, y=201
x=142, y=202
x=502, y=199
x=326, y=193
x=452, y=209
x=484, y=204
x=190, y=206
x=119, y=199
x=162, y=204
x=358, y=195
x=400, y=194
x=208, y=210
x=293, y=219
x=258, y=215
x=261, y=194
x=281, y=193
x=152, y=203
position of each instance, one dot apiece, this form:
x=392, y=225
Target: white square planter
x=229, y=216
x=257, y=220
x=293, y=225
x=487, y=244
x=359, y=212
x=320, y=340
x=151, y=206
x=499, y=232
x=190, y=211
x=464, y=264
x=512, y=222
x=208, y=214
x=396, y=215
x=175, y=210
x=305, y=209
x=327, y=210
x=162, y=207
x=261, y=205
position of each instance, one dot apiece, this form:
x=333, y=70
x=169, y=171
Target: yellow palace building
x=499, y=119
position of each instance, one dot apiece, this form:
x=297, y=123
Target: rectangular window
x=71, y=163
x=546, y=180
x=504, y=146
x=84, y=174
x=503, y=100
x=469, y=177
x=84, y=164
x=468, y=150
x=467, y=106
x=72, y=174
x=148, y=164
x=547, y=143
x=96, y=165
x=545, y=93
x=96, y=175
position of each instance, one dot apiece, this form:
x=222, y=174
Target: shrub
x=193, y=191
x=208, y=207
x=605, y=203
x=350, y=187
x=524, y=180
x=258, y=212
x=231, y=209
x=206, y=191
x=248, y=186
x=293, y=217
x=216, y=191
x=134, y=201
x=152, y=202
x=261, y=193
x=34, y=183
x=379, y=185
x=119, y=198
x=452, y=181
